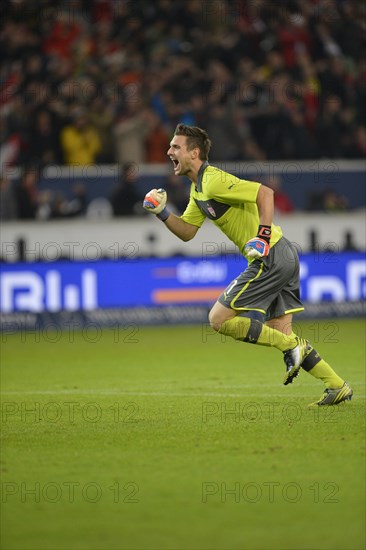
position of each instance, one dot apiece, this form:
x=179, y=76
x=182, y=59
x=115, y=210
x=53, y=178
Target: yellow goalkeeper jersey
x=227, y=201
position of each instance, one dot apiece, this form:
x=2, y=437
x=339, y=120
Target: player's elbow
x=266, y=192
x=189, y=232
x=185, y=238
x=265, y=198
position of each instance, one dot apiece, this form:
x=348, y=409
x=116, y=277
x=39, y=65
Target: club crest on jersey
x=211, y=210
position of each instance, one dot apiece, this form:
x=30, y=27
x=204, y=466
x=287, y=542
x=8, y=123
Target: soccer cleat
x=334, y=396
x=293, y=359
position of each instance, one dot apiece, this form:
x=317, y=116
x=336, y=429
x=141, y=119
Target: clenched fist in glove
x=155, y=201
x=259, y=246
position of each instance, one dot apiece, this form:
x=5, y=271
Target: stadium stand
x=268, y=80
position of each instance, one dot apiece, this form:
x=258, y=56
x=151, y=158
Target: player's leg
x=337, y=389
x=279, y=316
x=271, y=286
x=227, y=321
x=282, y=323
x=219, y=315
x=255, y=290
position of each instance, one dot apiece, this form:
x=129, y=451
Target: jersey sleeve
x=229, y=189
x=193, y=214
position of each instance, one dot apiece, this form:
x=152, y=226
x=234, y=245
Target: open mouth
x=176, y=164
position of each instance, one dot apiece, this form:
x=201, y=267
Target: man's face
x=180, y=156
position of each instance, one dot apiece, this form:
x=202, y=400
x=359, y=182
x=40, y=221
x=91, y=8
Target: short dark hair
x=196, y=137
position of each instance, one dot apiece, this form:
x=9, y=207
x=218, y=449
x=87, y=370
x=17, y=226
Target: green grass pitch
x=171, y=438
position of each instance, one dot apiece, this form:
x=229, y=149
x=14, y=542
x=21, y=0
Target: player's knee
x=215, y=320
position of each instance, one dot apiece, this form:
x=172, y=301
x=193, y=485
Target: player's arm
x=265, y=204
x=185, y=231
x=259, y=245
x=155, y=202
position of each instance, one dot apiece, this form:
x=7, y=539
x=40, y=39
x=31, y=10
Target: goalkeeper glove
x=259, y=246
x=155, y=201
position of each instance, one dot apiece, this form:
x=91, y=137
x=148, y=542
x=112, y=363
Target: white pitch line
x=133, y=392
x=154, y=394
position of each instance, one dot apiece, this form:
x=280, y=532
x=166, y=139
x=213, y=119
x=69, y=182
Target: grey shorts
x=270, y=285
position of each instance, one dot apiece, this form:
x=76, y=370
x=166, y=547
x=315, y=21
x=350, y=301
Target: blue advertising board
x=88, y=286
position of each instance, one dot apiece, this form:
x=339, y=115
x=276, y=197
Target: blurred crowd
x=105, y=81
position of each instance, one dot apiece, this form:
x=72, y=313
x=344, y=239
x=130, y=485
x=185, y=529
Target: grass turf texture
x=132, y=444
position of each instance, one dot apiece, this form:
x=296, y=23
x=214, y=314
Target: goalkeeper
x=243, y=210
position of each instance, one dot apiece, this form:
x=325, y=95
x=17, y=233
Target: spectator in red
x=282, y=203
x=62, y=35
x=157, y=140
x=293, y=37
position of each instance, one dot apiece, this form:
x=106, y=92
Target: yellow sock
x=255, y=332
x=317, y=367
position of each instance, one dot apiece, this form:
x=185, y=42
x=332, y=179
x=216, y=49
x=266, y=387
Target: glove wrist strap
x=163, y=215
x=264, y=232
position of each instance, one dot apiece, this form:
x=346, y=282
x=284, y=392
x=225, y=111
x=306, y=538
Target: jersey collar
x=200, y=176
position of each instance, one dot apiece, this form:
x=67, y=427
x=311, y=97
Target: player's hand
x=256, y=248
x=259, y=246
x=155, y=201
